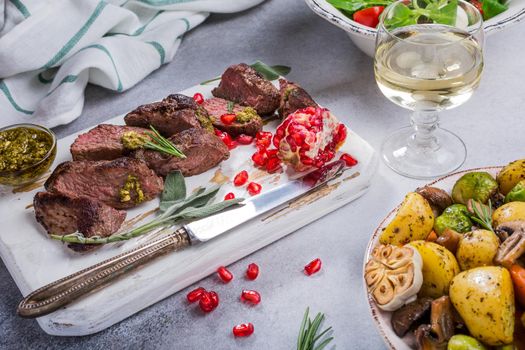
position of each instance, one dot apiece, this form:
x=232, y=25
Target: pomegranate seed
x=241, y=178
x=276, y=140
x=263, y=135
x=254, y=188
x=244, y=139
x=252, y=272
x=349, y=160
x=228, y=118
x=272, y=152
x=273, y=165
x=263, y=143
x=251, y=296
x=218, y=132
x=206, y=302
x=313, y=267
x=195, y=294
x=225, y=275
x=259, y=158
x=229, y=196
x=341, y=133
x=214, y=298
x=243, y=330
x=198, y=98
x=226, y=138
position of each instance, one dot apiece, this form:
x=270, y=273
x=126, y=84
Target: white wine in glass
x=427, y=67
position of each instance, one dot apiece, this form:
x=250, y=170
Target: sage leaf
x=270, y=72
x=174, y=188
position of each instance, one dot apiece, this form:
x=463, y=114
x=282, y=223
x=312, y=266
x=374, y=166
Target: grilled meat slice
x=103, y=142
x=173, y=114
x=61, y=215
x=293, y=97
x=243, y=84
x=218, y=106
x=121, y=183
x=203, y=151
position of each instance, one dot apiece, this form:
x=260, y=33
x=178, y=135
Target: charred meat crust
x=243, y=84
x=292, y=98
x=203, y=151
x=173, y=114
x=103, y=142
x=218, y=106
x=103, y=180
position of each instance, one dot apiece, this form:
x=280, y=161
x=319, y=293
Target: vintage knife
x=62, y=292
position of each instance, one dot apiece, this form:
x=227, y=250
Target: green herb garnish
x=161, y=144
x=482, y=214
x=230, y=106
x=174, y=207
x=308, y=338
x=268, y=72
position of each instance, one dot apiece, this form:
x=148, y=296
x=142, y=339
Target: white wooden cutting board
x=35, y=260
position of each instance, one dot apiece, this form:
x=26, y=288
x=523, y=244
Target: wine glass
x=428, y=58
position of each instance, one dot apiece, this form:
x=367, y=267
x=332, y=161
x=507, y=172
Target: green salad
x=367, y=12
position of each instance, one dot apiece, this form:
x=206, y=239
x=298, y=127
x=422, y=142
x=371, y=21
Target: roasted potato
x=477, y=248
x=439, y=267
x=510, y=175
x=413, y=221
x=477, y=185
x=512, y=211
x=484, y=297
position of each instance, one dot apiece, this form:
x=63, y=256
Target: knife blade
x=59, y=293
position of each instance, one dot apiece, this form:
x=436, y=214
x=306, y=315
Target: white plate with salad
x=359, y=18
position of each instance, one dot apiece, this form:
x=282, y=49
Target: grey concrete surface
x=325, y=62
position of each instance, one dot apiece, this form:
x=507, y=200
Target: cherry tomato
x=369, y=17
x=477, y=4
x=518, y=279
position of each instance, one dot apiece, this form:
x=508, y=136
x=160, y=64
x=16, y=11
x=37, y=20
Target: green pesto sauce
x=133, y=140
x=204, y=120
x=246, y=115
x=22, y=147
x=131, y=186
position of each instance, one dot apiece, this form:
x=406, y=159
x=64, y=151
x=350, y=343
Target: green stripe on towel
x=21, y=7
x=106, y=51
x=7, y=93
x=76, y=38
x=67, y=79
x=159, y=49
x=139, y=30
x=164, y=2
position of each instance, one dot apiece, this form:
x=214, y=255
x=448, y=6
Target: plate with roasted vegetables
x=359, y=18
x=446, y=268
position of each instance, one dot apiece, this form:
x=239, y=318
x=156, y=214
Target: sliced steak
x=107, y=181
x=243, y=84
x=203, y=151
x=61, y=215
x=293, y=97
x=173, y=114
x=218, y=106
x=102, y=142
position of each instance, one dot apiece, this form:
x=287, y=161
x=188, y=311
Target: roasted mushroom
x=449, y=239
x=410, y=315
x=514, y=246
x=435, y=335
x=438, y=199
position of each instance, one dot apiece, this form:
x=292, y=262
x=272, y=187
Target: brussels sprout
x=475, y=185
x=517, y=194
x=455, y=217
x=464, y=342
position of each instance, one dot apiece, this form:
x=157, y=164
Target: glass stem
x=424, y=123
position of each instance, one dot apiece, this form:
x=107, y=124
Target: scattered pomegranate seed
x=243, y=330
x=254, y=188
x=252, y=272
x=226, y=138
x=260, y=158
x=251, y=296
x=273, y=164
x=195, y=295
x=349, y=160
x=214, y=298
x=229, y=196
x=244, y=139
x=263, y=135
x=225, y=275
x=313, y=267
x=198, y=98
x=228, y=118
x=241, y=178
x=206, y=302
x=263, y=139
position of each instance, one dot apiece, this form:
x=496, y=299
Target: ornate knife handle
x=53, y=296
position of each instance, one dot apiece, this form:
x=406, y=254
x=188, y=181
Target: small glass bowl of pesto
x=26, y=153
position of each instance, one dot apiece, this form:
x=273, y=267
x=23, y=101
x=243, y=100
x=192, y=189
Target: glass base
x=442, y=156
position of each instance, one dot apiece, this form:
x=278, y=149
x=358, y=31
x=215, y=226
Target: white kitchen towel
x=50, y=49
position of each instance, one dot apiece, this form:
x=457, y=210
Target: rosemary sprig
x=230, y=106
x=308, y=336
x=161, y=144
x=482, y=214
x=174, y=207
